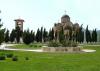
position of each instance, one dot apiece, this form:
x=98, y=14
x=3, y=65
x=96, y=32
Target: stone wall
x=62, y=49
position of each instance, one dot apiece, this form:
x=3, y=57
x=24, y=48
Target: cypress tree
x=18, y=34
x=7, y=36
x=12, y=35
x=27, y=37
x=45, y=35
x=1, y=34
x=38, y=35
x=61, y=35
x=88, y=35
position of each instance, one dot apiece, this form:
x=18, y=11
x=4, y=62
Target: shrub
x=26, y=58
x=31, y=45
x=53, y=44
x=74, y=44
x=35, y=45
x=2, y=57
x=10, y=55
x=66, y=43
x=15, y=58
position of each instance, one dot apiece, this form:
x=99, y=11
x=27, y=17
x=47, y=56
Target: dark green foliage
x=94, y=36
x=32, y=34
x=38, y=35
x=74, y=44
x=80, y=35
x=15, y=58
x=2, y=57
x=27, y=37
x=51, y=34
x=61, y=35
x=45, y=35
x=1, y=34
x=65, y=43
x=10, y=55
x=41, y=35
x=53, y=44
x=18, y=33
x=88, y=35
x=12, y=35
x=7, y=36
x=26, y=58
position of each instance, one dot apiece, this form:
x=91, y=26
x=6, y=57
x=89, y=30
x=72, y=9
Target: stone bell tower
x=19, y=23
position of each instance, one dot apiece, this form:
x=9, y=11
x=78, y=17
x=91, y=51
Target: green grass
x=53, y=61
x=24, y=46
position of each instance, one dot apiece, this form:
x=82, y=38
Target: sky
x=38, y=13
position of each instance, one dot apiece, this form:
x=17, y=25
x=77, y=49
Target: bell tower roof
x=19, y=20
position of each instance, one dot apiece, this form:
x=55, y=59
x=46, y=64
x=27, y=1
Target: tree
x=38, y=35
x=7, y=36
x=41, y=35
x=45, y=35
x=12, y=36
x=18, y=33
x=27, y=37
x=61, y=35
x=32, y=36
x=88, y=35
x=81, y=34
x=1, y=34
x=94, y=36
x=51, y=34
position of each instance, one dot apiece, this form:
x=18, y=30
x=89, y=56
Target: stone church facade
x=67, y=27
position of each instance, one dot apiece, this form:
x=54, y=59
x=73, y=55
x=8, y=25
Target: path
x=4, y=47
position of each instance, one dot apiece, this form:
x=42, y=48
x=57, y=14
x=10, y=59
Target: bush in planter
x=74, y=44
x=15, y=58
x=53, y=44
x=66, y=43
x=2, y=57
x=10, y=55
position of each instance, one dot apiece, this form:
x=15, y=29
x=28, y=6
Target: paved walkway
x=4, y=47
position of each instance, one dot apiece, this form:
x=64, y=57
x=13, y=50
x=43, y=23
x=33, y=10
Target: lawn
x=24, y=46
x=52, y=61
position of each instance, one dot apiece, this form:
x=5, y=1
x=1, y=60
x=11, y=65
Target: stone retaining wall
x=62, y=49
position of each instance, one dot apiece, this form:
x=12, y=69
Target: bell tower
x=19, y=23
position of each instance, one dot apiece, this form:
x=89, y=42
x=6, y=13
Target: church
x=67, y=27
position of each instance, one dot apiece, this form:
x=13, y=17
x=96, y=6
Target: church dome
x=65, y=19
x=65, y=16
